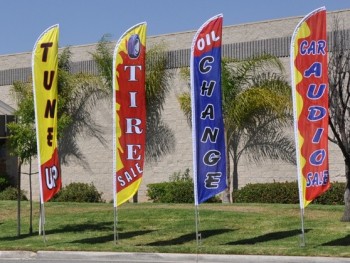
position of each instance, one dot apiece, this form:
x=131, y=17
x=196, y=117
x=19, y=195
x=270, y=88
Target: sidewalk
x=60, y=256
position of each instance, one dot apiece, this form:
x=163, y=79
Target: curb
x=17, y=254
x=89, y=256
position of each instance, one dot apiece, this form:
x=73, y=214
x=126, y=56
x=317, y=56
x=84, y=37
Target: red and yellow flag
x=129, y=112
x=44, y=70
x=309, y=70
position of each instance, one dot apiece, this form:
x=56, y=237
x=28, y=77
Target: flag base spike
x=199, y=238
x=302, y=240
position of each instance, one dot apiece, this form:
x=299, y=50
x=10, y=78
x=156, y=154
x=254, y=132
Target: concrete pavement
x=70, y=256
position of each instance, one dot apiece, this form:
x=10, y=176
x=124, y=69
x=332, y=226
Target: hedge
x=4, y=182
x=178, y=190
x=171, y=192
x=78, y=192
x=181, y=191
x=286, y=193
x=11, y=193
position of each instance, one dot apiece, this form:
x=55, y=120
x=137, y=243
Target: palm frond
x=184, y=100
x=271, y=144
x=103, y=58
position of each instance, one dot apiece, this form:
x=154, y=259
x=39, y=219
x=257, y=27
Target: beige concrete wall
x=99, y=156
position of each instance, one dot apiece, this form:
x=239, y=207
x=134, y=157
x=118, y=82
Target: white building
x=239, y=41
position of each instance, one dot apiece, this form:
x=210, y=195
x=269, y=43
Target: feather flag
x=129, y=112
x=309, y=70
x=44, y=71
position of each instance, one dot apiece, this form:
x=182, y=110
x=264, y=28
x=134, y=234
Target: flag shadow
x=109, y=238
x=98, y=226
x=267, y=237
x=345, y=241
x=21, y=236
x=188, y=238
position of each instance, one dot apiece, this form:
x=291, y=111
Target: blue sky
x=86, y=21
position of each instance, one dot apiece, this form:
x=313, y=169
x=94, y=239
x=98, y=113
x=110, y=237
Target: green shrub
x=285, y=193
x=4, y=182
x=333, y=196
x=181, y=192
x=171, y=192
x=11, y=193
x=178, y=190
x=157, y=192
x=78, y=192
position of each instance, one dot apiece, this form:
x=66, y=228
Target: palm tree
x=160, y=138
x=78, y=95
x=257, y=107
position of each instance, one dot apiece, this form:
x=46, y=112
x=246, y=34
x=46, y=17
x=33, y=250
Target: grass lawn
x=270, y=229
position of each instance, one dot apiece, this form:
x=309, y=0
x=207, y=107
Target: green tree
x=77, y=94
x=339, y=101
x=22, y=140
x=257, y=109
x=160, y=138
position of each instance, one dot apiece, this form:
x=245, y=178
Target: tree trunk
x=135, y=198
x=31, y=198
x=346, y=215
x=19, y=199
x=227, y=195
x=235, y=174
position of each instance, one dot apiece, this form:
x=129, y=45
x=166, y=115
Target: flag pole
x=42, y=220
x=116, y=235
x=302, y=243
x=312, y=27
x=198, y=235
x=115, y=225
x=47, y=152
x=116, y=238
x=203, y=189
